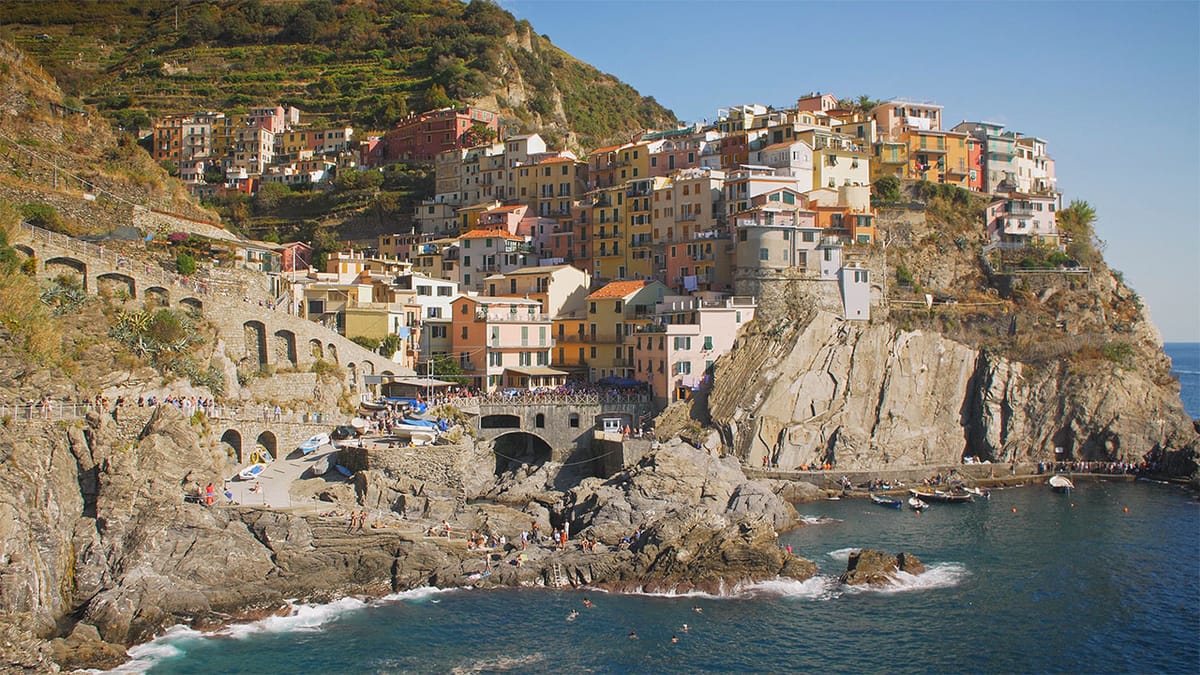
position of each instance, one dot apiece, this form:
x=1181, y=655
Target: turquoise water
x=1063, y=584
x=1185, y=365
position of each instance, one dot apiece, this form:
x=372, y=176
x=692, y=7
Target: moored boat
x=884, y=500
x=251, y=472
x=1060, y=483
x=309, y=446
x=916, y=504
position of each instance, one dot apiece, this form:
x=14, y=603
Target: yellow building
x=639, y=222
x=890, y=160
x=613, y=314
x=607, y=232
x=633, y=162
x=570, y=351
x=937, y=156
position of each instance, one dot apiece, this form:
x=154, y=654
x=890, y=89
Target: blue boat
x=412, y=421
x=886, y=501
x=251, y=472
x=309, y=446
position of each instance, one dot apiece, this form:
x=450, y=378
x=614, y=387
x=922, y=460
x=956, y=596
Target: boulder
x=877, y=568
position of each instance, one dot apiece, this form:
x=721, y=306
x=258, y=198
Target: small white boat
x=307, y=447
x=1060, y=483
x=916, y=504
x=251, y=472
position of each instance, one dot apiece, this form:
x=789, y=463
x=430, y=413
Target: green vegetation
x=445, y=367
x=887, y=189
x=389, y=345
x=368, y=62
x=43, y=215
x=185, y=264
x=1076, y=224
x=22, y=313
x=169, y=340
x=366, y=342
x=1118, y=352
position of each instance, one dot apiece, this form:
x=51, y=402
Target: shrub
x=42, y=215
x=1117, y=352
x=185, y=264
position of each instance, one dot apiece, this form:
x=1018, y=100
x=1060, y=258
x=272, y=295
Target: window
x=316, y=307
x=539, y=421
x=617, y=306
x=542, y=335
x=683, y=368
x=809, y=236
x=437, y=331
x=741, y=235
x=593, y=352
x=828, y=254
x=464, y=309
x=524, y=336
x=464, y=332
x=593, y=311
x=708, y=342
x=466, y=260
x=683, y=342
x=444, y=291
x=573, y=420
x=764, y=254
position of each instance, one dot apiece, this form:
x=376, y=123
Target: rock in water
x=876, y=567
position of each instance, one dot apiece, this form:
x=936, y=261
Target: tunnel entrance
x=517, y=448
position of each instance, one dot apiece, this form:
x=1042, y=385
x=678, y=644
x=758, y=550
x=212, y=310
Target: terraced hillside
x=364, y=61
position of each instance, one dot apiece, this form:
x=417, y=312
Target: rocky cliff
x=870, y=395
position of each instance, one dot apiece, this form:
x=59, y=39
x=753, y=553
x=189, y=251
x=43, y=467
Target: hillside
x=66, y=169
x=364, y=61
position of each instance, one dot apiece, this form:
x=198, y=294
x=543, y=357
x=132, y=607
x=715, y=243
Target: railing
x=534, y=398
x=53, y=411
x=114, y=260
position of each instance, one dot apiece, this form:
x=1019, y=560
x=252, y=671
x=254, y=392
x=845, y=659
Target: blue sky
x=1113, y=87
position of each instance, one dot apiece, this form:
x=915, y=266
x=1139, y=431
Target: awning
x=534, y=370
x=423, y=382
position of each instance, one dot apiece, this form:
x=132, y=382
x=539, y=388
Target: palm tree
x=1077, y=219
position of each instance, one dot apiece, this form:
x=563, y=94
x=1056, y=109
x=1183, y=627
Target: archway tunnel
x=517, y=448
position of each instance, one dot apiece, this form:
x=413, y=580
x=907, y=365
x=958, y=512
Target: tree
x=887, y=188
x=185, y=264
x=1076, y=224
x=389, y=345
x=435, y=97
x=448, y=369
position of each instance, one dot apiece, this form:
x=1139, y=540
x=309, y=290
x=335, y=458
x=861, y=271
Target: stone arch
x=115, y=282
x=233, y=439
x=539, y=420
x=315, y=349
x=368, y=368
x=500, y=421
x=193, y=304
x=332, y=352
x=26, y=250
x=285, y=347
x=269, y=442
x=515, y=448
x=156, y=296
x=69, y=266
x=388, y=373
x=256, y=341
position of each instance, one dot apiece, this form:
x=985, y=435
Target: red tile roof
x=485, y=234
x=618, y=289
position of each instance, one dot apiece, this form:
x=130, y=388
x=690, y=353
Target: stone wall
x=438, y=464
x=159, y=223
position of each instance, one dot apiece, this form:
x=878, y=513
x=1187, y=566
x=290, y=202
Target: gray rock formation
x=877, y=568
x=870, y=396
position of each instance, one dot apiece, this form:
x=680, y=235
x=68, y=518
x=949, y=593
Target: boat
x=309, y=446
x=952, y=497
x=371, y=406
x=883, y=500
x=412, y=421
x=976, y=492
x=1060, y=483
x=359, y=424
x=916, y=504
x=416, y=405
x=251, y=472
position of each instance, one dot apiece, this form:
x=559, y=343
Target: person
x=788, y=548
x=209, y=495
x=674, y=639
x=633, y=635
x=587, y=603
x=446, y=528
x=228, y=495
x=685, y=628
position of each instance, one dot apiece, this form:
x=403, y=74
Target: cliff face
x=871, y=396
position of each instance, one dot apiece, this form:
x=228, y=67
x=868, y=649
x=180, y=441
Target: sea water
x=1185, y=365
x=1103, y=579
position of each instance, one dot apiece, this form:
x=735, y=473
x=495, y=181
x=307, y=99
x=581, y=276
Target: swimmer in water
x=685, y=628
x=698, y=610
x=674, y=638
x=574, y=613
x=633, y=635
x=587, y=603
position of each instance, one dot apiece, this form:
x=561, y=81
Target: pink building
x=503, y=342
x=676, y=355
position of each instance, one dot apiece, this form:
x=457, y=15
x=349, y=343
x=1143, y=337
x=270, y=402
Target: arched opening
x=22, y=248
x=352, y=371
x=256, y=342
x=368, y=368
x=285, y=348
x=269, y=443
x=70, y=267
x=233, y=439
x=539, y=421
x=388, y=373
x=519, y=448
x=331, y=352
x=193, y=304
x=315, y=349
x=115, y=283
x=156, y=296
x=500, y=422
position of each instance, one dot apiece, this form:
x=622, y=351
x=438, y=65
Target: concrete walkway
x=274, y=484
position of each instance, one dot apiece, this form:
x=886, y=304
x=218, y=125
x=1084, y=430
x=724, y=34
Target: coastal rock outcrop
x=865, y=396
x=876, y=567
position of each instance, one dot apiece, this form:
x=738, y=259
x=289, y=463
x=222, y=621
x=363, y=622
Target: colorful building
x=421, y=136
x=503, y=342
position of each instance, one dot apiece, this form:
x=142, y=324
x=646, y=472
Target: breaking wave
x=842, y=554
x=818, y=520
x=937, y=575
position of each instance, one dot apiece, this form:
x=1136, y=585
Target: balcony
x=512, y=317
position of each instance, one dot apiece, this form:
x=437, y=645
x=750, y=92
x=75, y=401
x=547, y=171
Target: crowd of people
x=1115, y=468
x=606, y=393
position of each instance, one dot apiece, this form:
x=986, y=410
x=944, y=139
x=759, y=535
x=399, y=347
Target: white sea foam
x=520, y=663
x=842, y=554
x=818, y=520
x=815, y=588
x=684, y=594
x=144, y=656
x=417, y=594
x=937, y=575
x=300, y=618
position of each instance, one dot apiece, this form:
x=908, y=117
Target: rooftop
x=618, y=289
x=490, y=234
